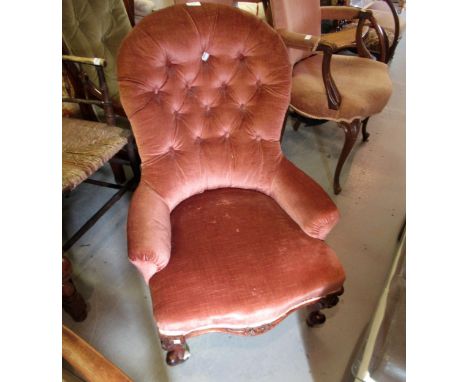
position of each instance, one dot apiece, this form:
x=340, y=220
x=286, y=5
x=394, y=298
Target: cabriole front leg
x=316, y=317
x=351, y=132
x=177, y=350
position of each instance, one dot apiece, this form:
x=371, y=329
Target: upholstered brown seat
x=227, y=232
x=86, y=147
x=238, y=261
x=364, y=87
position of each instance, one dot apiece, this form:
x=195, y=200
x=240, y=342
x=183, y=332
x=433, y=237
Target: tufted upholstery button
x=258, y=138
x=259, y=84
x=240, y=57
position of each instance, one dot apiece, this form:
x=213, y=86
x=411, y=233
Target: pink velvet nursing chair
x=225, y=230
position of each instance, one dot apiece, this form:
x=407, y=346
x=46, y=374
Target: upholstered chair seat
x=86, y=147
x=364, y=85
x=256, y=264
x=225, y=230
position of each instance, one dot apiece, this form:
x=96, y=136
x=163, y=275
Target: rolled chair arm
x=148, y=231
x=304, y=200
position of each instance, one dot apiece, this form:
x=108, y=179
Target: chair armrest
x=304, y=200
x=95, y=61
x=148, y=231
x=340, y=12
x=314, y=43
x=299, y=40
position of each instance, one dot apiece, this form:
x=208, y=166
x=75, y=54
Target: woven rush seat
x=86, y=147
x=238, y=261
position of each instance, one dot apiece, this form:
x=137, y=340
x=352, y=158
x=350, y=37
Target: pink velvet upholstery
x=238, y=261
x=206, y=89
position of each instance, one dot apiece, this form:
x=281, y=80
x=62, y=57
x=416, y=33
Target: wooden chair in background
x=86, y=147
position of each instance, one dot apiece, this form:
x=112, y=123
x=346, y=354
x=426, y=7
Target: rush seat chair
x=227, y=233
x=328, y=86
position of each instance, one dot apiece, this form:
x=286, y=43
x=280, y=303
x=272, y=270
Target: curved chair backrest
x=300, y=16
x=206, y=89
x=93, y=28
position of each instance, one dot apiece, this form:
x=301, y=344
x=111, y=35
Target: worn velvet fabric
x=238, y=260
x=206, y=89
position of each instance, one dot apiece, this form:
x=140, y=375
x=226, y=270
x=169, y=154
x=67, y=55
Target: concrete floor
x=372, y=206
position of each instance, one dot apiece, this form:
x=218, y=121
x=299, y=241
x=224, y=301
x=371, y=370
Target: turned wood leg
x=72, y=302
x=365, y=134
x=351, y=131
x=316, y=317
x=177, y=350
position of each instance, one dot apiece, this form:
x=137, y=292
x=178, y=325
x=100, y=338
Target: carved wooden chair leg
x=351, y=131
x=316, y=317
x=365, y=134
x=72, y=302
x=177, y=350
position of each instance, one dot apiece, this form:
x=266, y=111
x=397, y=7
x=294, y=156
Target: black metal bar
x=103, y=184
x=91, y=221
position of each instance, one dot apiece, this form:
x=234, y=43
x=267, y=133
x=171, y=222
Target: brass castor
x=315, y=318
x=177, y=354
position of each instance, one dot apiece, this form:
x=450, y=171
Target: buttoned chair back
x=206, y=101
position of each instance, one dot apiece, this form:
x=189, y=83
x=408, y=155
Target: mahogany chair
x=327, y=86
x=227, y=233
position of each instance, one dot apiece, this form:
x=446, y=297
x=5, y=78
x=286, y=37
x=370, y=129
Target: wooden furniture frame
x=391, y=48
x=71, y=301
x=178, y=350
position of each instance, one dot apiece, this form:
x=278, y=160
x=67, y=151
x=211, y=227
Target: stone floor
x=372, y=207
